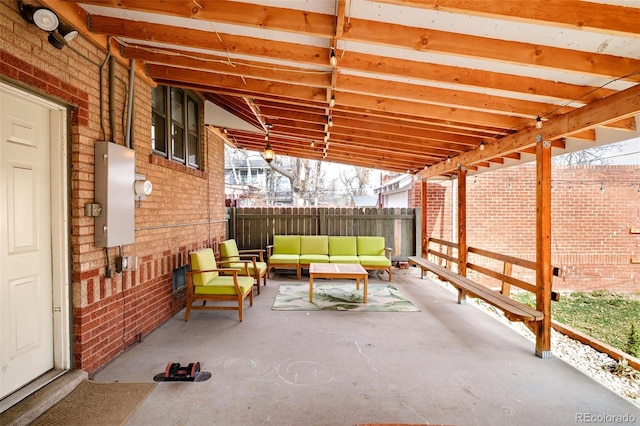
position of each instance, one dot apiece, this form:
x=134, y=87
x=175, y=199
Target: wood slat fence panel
x=254, y=227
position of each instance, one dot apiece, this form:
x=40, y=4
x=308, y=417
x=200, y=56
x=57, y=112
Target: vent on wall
x=180, y=278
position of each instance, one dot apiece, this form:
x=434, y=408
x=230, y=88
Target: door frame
x=60, y=256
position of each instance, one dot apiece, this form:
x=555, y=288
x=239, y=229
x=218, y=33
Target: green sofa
x=299, y=251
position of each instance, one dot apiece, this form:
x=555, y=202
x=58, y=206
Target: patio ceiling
x=415, y=82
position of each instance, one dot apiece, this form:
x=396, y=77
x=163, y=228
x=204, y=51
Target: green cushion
x=344, y=259
x=342, y=246
x=374, y=261
x=202, y=260
x=370, y=246
x=224, y=285
x=306, y=259
x=314, y=244
x=229, y=250
x=286, y=244
x=284, y=259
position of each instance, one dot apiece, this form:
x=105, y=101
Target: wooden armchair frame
x=217, y=289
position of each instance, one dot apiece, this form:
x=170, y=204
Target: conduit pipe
x=129, y=130
x=112, y=96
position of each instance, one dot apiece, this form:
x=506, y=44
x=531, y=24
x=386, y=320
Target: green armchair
x=236, y=259
x=207, y=282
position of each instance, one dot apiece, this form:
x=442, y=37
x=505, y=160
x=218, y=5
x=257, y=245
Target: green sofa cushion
x=306, y=259
x=314, y=244
x=344, y=259
x=342, y=246
x=374, y=261
x=202, y=260
x=284, y=259
x=286, y=244
x=223, y=284
x=370, y=246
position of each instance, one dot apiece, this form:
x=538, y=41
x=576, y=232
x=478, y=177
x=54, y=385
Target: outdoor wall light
x=481, y=146
x=41, y=17
x=332, y=102
x=62, y=37
x=46, y=19
x=268, y=153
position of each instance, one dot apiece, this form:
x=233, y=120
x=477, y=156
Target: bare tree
x=355, y=181
x=596, y=155
x=305, y=177
x=309, y=183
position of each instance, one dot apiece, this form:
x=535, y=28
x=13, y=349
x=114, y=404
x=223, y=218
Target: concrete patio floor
x=448, y=364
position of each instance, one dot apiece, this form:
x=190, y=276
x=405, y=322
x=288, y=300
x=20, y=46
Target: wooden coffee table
x=338, y=270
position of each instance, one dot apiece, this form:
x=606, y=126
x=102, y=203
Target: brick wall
x=591, y=238
x=184, y=212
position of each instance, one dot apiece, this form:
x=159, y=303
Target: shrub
x=633, y=344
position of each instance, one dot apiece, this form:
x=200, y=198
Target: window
x=176, y=112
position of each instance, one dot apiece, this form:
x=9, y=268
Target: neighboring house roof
x=397, y=184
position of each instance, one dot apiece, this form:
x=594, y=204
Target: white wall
x=399, y=199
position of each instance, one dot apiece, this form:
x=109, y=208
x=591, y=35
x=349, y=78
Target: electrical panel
x=114, y=191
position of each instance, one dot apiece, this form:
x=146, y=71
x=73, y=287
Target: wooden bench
x=513, y=310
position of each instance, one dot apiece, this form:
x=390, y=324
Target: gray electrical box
x=114, y=190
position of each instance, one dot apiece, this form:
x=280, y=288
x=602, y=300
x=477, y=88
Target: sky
x=630, y=155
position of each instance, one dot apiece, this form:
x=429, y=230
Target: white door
x=26, y=292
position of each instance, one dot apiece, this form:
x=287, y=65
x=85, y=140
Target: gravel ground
x=597, y=365
x=591, y=362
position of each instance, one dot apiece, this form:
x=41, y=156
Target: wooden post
x=543, y=247
x=423, y=218
x=462, y=229
x=507, y=268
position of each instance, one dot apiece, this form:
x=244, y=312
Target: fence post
x=322, y=219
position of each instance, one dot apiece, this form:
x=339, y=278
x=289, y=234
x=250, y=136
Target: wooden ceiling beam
x=618, y=106
x=424, y=111
x=394, y=142
x=471, y=77
x=399, y=130
x=221, y=65
x=579, y=15
x=415, y=125
x=291, y=20
x=512, y=52
x=231, y=12
x=215, y=41
x=448, y=97
x=250, y=85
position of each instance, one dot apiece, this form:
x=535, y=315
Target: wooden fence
x=254, y=227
